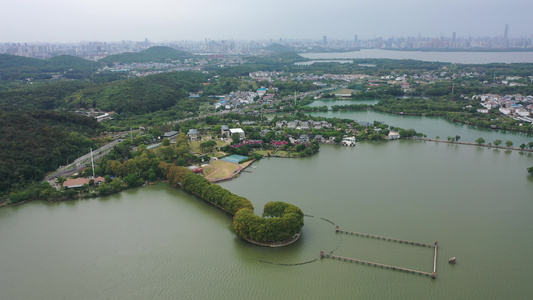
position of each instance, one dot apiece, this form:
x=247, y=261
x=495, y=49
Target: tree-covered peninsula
x=281, y=222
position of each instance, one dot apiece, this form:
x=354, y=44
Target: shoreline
x=450, y=120
x=276, y=244
x=473, y=144
x=237, y=173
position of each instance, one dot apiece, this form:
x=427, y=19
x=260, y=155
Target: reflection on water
x=157, y=242
x=431, y=126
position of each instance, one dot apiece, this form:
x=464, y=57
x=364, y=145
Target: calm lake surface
x=331, y=102
x=157, y=242
x=307, y=63
x=430, y=126
x=453, y=57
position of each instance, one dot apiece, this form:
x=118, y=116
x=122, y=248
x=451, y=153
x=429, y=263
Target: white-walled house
x=238, y=131
x=394, y=135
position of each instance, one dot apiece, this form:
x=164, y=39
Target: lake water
x=453, y=57
x=431, y=126
x=157, y=242
x=307, y=63
x=331, y=102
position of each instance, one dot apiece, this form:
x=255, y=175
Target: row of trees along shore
x=280, y=221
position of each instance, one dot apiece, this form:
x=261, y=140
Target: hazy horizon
x=64, y=21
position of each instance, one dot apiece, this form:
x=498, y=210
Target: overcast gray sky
x=170, y=20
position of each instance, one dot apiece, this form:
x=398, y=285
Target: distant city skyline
x=70, y=21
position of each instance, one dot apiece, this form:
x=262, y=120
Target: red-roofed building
x=79, y=182
x=278, y=144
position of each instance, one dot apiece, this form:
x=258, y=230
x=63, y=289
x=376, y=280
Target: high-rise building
x=506, y=32
x=324, y=40
x=454, y=36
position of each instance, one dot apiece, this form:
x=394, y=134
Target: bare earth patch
x=223, y=169
x=343, y=91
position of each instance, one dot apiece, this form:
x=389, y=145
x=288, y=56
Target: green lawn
x=195, y=146
x=263, y=152
x=283, y=153
x=216, y=154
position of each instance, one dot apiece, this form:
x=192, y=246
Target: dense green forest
x=280, y=221
x=278, y=48
x=149, y=94
x=154, y=54
x=383, y=67
x=14, y=67
x=460, y=111
x=46, y=95
x=34, y=143
x=278, y=60
x=134, y=96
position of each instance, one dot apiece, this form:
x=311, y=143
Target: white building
x=522, y=112
x=505, y=110
x=394, y=135
x=238, y=131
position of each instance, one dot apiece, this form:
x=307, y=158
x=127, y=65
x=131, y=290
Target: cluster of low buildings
x=236, y=99
x=303, y=125
x=145, y=69
x=239, y=99
x=264, y=75
x=318, y=78
x=517, y=106
x=194, y=134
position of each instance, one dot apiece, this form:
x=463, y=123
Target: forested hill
x=154, y=54
x=135, y=96
x=14, y=67
x=277, y=59
x=65, y=62
x=148, y=94
x=278, y=48
x=49, y=95
x=13, y=61
x=34, y=143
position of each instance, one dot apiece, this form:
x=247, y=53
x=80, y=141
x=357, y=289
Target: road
x=252, y=106
x=81, y=162
x=85, y=160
